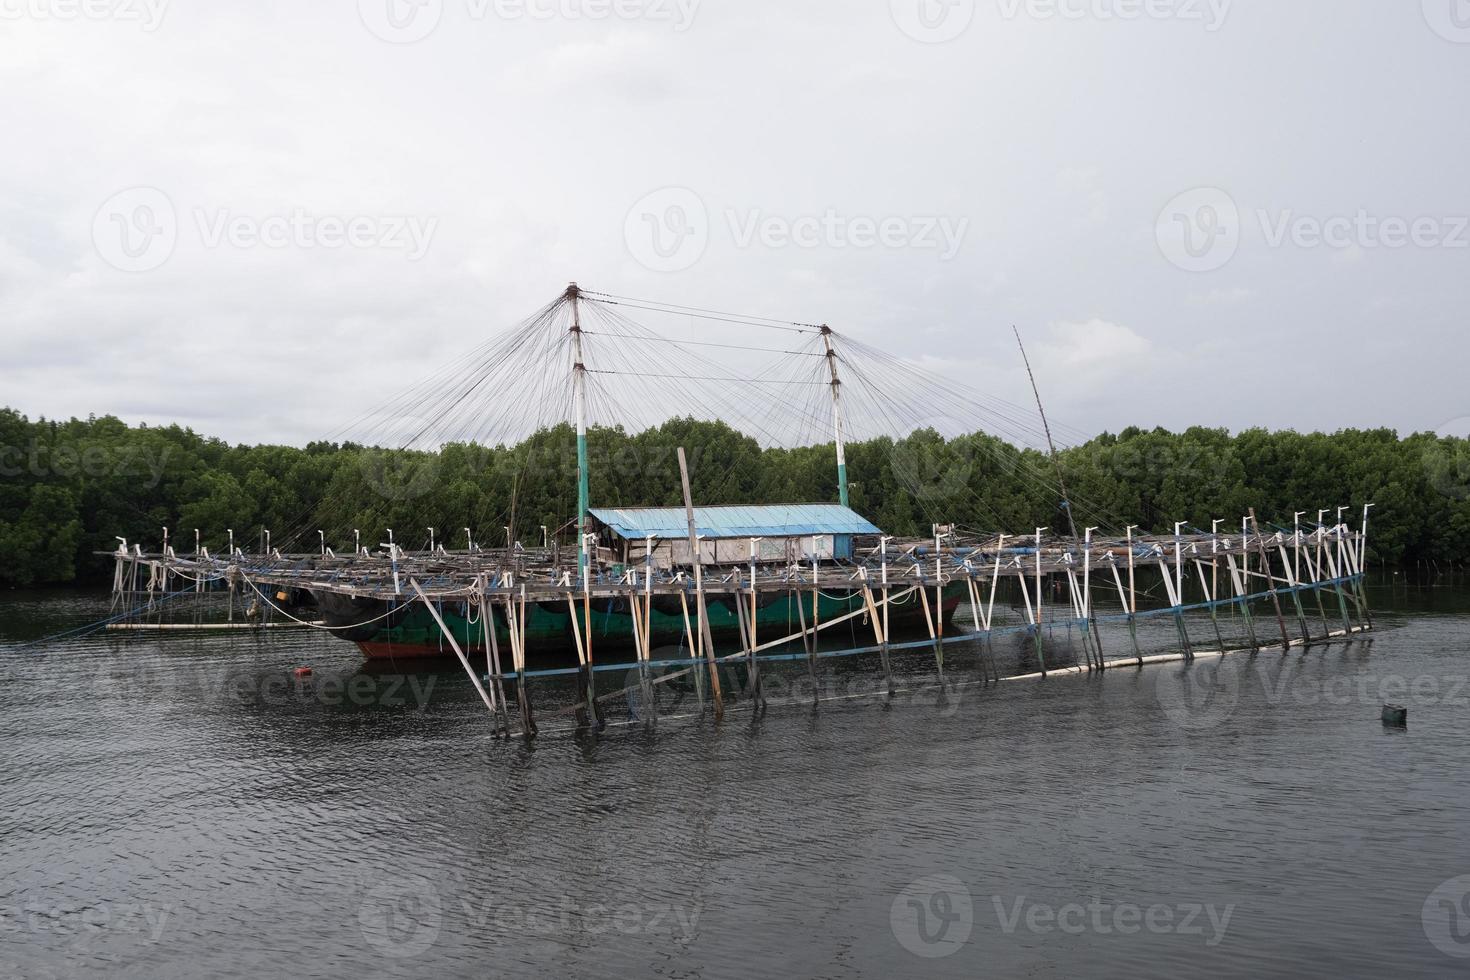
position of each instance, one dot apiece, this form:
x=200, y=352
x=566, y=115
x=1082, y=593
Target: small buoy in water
x=1395, y=714
x=302, y=672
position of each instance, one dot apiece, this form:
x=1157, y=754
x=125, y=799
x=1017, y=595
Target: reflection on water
x=188, y=806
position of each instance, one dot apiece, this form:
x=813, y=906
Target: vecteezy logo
x=932, y=21
x=400, y=21
x=1450, y=19
x=934, y=462
x=400, y=920
x=933, y=916
x=1198, y=696
x=1446, y=917
x=1199, y=231
x=135, y=230
x=668, y=230
x=1447, y=459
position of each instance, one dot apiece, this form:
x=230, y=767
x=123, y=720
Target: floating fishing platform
x=704, y=596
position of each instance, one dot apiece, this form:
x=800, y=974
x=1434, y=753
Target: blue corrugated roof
x=770, y=521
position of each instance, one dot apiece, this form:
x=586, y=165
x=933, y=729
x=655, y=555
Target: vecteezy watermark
x=408, y=21
x=270, y=688
x=1364, y=230
x=146, y=462
x=932, y=916
x=299, y=228
x=137, y=230
x=1201, y=230
x=1205, y=694
x=932, y=21
x=147, y=14
x=1446, y=917
x=1103, y=918
x=832, y=230
x=1199, y=695
x=568, y=915
x=670, y=229
x=1450, y=19
x=931, y=466
x=401, y=919
x=1209, y=13
x=36, y=915
x=1447, y=459
x=667, y=230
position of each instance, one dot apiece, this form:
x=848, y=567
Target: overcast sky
x=257, y=219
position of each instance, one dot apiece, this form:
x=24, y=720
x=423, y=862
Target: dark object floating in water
x=1395, y=714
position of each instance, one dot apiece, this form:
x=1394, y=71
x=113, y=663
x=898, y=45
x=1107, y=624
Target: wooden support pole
x=464, y=660
x=747, y=632
x=1176, y=605
x=514, y=617
x=1296, y=595
x=1242, y=592
x=806, y=639
x=1040, y=653
x=697, y=557
x=492, y=652
x=648, y=706
x=879, y=633
x=1271, y=581
x=586, y=703
x=1126, y=602
x=1204, y=584
x=695, y=648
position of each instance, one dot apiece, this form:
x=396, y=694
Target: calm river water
x=185, y=807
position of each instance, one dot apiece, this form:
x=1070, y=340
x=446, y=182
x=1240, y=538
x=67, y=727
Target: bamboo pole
x=697, y=557
x=585, y=699
x=1271, y=582
x=879, y=634
x=1040, y=654
x=492, y=650
x=464, y=661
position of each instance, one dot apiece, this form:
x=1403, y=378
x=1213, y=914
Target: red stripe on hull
x=406, y=651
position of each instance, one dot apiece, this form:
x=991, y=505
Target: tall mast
x=1046, y=427
x=579, y=386
x=836, y=416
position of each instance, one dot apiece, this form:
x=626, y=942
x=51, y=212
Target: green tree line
x=68, y=489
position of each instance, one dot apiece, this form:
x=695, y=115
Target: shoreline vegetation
x=67, y=488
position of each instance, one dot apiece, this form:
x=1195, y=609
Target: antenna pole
x=1095, y=636
x=1046, y=427
x=837, y=416
x=579, y=385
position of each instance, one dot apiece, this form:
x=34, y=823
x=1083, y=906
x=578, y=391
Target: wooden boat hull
x=407, y=629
